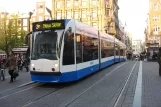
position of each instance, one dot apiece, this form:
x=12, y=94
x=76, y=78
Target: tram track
x=62, y=87
x=20, y=86
x=34, y=100
x=123, y=87
x=56, y=88
x=52, y=89
x=108, y=74
x=19, y=91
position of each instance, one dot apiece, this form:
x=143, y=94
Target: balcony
x=112, y=32
x=108, y=6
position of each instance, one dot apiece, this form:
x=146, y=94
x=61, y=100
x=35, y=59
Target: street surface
x=126, y=84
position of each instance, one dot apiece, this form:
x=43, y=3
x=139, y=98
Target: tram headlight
x=56, y=65
x=32, y=65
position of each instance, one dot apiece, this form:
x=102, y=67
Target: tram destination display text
x=45, y=25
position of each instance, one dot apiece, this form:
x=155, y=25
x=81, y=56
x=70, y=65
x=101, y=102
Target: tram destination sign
x=47, y=25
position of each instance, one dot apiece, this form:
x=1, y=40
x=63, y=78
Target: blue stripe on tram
x=71, y=76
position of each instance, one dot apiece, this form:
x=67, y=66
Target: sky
x=133, y=12
x=21, y=5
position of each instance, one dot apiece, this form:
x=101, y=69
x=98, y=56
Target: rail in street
x=126, y=84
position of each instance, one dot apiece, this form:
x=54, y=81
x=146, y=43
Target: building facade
x=153, y=29
x=102, y=14
x=128, y=42
x=16, y=19
x=137, y=46
x=40, y=13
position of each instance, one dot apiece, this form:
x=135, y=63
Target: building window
x=83, y=14
x=34, y=19
x=24, y=22
x=58, y=4
x=68, y=4
x=107, y=12
x=94, y=2
x=40, y=9
x=155, y=7
x=40, y=18
x=58, y=16
x=156, y=28
x=68, y=15
x=25, y=28
x=83, y=2
x=76, y=15
x=158, y=18
x=155, y=18
x=94, y=24
x=94, y=13
x=76, y=3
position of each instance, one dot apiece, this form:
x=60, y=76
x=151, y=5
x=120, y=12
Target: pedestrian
x=19, y=62
x=27, y=59
x=27, y=62
x=2, y=70
x=159, y=61
x=11, y=63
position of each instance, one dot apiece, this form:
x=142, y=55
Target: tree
x=11, y=34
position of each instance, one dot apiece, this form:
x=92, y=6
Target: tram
x=68, y=50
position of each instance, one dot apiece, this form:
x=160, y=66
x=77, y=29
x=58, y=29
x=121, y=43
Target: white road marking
x=138, y=90
x=96, y=83
x=116, y=103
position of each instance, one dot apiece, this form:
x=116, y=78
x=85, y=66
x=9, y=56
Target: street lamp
x=49, y=11
x=30, y=14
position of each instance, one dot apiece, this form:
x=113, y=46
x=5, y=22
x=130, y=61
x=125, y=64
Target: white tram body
x=64, y=54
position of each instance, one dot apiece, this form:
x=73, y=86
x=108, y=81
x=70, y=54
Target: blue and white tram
x=67, y=50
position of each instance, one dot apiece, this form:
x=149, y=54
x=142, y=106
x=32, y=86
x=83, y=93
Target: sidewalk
x=151, y=85
x=23, y=78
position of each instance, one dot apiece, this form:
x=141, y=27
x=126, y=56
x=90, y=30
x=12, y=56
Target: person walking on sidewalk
x=2, y=77
x=159, y=61
x=11, y=63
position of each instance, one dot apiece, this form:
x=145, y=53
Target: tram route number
x=48, y=25
x=52, y=25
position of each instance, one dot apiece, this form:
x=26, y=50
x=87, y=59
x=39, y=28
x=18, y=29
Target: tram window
x=117, y=50
x=44, y=46
x=68, y=53
x=107, y=48
x=79, y=45
x=90, y=48
x=121, y=52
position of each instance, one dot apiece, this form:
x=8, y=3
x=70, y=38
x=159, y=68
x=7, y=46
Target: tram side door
x=67, y=62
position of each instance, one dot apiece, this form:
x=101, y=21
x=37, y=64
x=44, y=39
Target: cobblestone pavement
x=151, y=91
x=114, y=86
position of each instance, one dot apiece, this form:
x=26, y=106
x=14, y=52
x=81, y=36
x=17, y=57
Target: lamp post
x=49, y=11
x=30, y=14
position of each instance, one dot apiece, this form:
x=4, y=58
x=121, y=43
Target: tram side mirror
x=67, y=33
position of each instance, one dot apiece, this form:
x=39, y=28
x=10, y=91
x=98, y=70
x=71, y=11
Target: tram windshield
x=45, y=44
